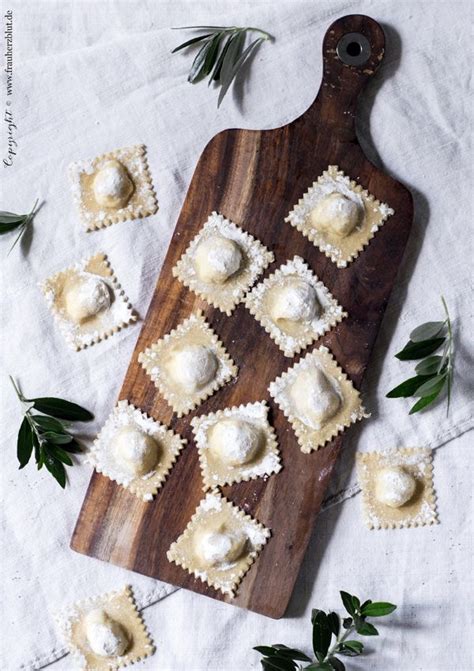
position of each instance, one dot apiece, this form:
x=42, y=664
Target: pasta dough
x=192, y=366
x=135, y=451
x=222, y=262
x=317, y=398
x=338, y=215
x=88, y=302
x=314, y=397
x=188, y=364
x=106, y=637
x=234, y=441
x=217, y=258
x=219, y=547
x=105, y=632
x=295, y=301
x=397, y=488
x=335, y=213
x=293, y=306
x=112, y=185
x=394, y=486
x=86, y=296
x=236, y=444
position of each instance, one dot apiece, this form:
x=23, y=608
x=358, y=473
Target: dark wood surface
x=254, y=178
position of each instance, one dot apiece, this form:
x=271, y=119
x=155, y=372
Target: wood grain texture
x=254, y=178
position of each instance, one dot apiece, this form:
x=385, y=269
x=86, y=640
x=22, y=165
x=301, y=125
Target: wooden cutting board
x=254, y=178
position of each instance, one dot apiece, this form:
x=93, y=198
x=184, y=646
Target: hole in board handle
x=354, y=49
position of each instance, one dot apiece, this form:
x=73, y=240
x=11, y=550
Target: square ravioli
x=397, y=488
x=294, y=307
x=135, y=451
x=188, y=365
x=113, y=187
x=222, y=262
x=317, y=398
x=87, y=302
x=236, y=444
x=219, y=544
x=338, y=216
x=106, y=632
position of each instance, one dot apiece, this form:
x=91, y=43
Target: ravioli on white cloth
x=106, y=632
x=113, y=187
x=88, y=302
x=397, y=488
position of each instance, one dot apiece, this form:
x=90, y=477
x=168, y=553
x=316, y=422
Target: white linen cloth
x=93, y=76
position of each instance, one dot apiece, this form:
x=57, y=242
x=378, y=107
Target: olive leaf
x=420, y=349
x=47, y=435
x=221, y=54
x=326, y=627
x=377, y=609
x=351, y=648
x=334, y=623
x=424, y=402
x=230, y=76
x=194, y=40
x=63, y=456
x=57, y=407
x=57, y=438
x=429, y=366
x=409, y=387
x=291, y=653
x=56, y=468
x=366, y=629
x=321, y=633
x=347, y=601
x=434, y=372
x=427, y=331
x=431, y=386
x=24, y=443
x=9, y=221
x=49, y=423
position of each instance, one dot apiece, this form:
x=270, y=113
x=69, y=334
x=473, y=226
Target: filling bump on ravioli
x=86, y=296
x=314, y=397
x=235, y=441
x=336, y=213
x=112, y=185
x=219, y=547
x=135, y=451
x=394, y=486
x=192, y=366
x=105, y=636
x=217, y=258
x=295, y=301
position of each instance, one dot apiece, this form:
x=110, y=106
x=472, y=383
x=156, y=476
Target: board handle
x=353, y=49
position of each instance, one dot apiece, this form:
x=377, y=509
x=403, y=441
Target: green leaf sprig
x=221, y=54
x=435, y=371
x=16, y=222
x=47, y=434
x=331, y=637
